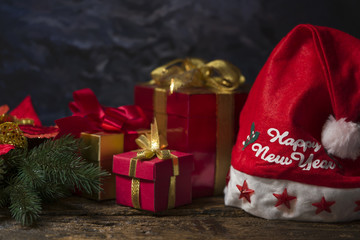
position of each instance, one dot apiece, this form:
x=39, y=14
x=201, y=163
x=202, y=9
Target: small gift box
x=197, y=106
x=106, y=130
x=153, y=183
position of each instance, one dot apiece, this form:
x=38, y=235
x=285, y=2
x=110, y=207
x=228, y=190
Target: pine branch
x=4, y=197
x=46, y=172
x=14, y=158
x=2, y=169
x=25, y=204
x=53, y=191
x=60, y=162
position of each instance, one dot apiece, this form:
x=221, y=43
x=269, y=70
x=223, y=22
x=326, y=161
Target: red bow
x=90, y=116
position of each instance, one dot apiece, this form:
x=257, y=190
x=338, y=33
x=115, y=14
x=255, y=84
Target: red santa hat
x=297, y=154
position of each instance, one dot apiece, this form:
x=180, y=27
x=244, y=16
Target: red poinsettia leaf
x=26, y=110
x=39, y=131
x=5, y=148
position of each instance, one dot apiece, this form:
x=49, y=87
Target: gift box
x=107, y=130
x=154, y=185
x=102, y=147
x=197, y=120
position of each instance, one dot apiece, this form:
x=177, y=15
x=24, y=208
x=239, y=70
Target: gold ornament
x=10, y=133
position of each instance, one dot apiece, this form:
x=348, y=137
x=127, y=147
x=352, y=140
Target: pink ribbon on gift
x=90, y=116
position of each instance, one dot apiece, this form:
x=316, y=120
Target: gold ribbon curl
x=150, y=146
x=10, y=133
x=218, y=75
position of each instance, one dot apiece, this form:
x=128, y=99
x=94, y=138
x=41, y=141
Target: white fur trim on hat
x=341, y=138
x=343, y=204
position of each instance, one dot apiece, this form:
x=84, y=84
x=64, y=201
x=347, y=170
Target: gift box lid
x=192, y=102
x=155, y=168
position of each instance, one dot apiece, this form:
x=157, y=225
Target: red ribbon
x=90, y=116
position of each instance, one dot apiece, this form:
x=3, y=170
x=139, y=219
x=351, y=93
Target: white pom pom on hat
x=341, y=138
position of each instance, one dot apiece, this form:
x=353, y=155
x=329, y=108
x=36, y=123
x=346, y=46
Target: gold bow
x=150, y=145
x=218, y=75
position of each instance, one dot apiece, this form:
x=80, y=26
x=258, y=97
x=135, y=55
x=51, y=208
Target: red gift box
x=200, y=122
x=154, y=185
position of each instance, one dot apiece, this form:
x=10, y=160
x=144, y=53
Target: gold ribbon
x=10, y=133
x=219, y=75
x=152, y=146
x=224, y=139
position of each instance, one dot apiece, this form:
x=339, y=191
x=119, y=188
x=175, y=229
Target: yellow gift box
x=102, y=147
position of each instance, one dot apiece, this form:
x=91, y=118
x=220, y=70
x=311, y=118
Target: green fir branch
x=4, y=197
x=47, y=172
x=61, y=162
x=2, y=169
x=15, y=158
x=25, y=204
x=53, y=191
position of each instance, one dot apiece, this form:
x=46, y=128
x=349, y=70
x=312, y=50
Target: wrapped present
x=197, y=106
x=102, y=148
x=153, y=179
x=107, y=130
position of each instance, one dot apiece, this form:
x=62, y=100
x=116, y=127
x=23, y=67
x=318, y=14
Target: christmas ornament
x=303, y=159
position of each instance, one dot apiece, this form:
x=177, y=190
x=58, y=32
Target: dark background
x=50, y=48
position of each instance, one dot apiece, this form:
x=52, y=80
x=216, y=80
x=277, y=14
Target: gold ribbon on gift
x=10, y=133
x=151, y=146
x=220, y=77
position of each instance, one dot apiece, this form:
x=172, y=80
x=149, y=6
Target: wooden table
x=207, y=218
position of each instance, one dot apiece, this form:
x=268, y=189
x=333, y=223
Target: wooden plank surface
x=79, y=218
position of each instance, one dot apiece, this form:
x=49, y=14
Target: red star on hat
x=357, y=208
x=284, y=198
x=323, y=205
x=245, y=191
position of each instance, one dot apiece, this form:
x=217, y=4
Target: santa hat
x=297, y=154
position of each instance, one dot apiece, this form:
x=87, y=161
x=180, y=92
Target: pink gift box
x=155, y=177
